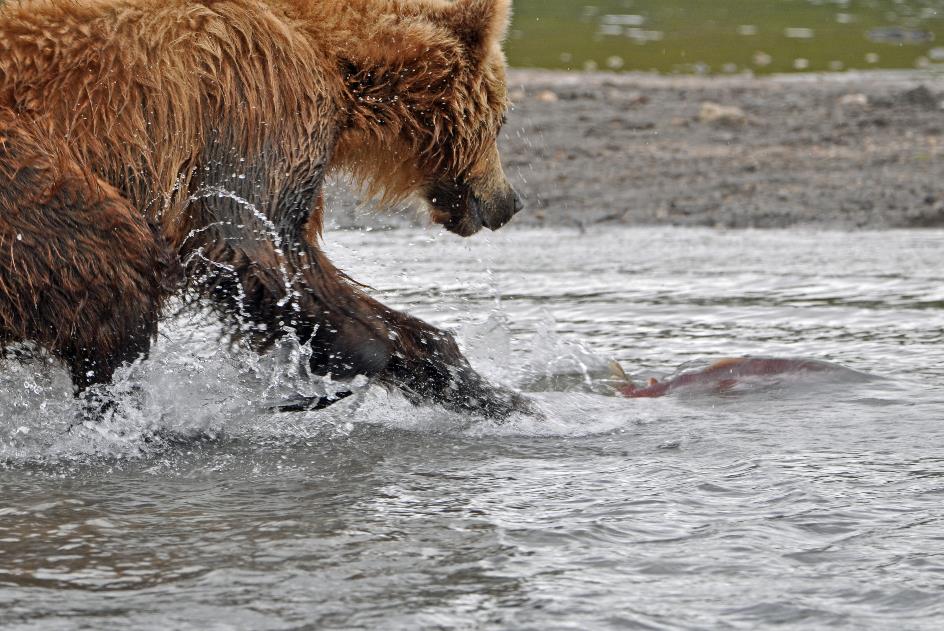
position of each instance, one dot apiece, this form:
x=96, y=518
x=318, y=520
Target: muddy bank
x=863, y=150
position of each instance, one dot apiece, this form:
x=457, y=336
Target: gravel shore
x=843, y=150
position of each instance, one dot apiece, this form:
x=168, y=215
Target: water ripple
x=797, y=503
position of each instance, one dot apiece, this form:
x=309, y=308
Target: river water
x=803, y=502
x=727, y=36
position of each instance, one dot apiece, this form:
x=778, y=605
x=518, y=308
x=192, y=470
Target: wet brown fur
x=81, y=272
x=136, y=135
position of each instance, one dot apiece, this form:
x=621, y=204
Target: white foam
x=194, y=384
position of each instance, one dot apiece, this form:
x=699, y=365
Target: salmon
x=722, y=375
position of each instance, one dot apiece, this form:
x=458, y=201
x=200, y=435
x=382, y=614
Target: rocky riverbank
x=841, y=150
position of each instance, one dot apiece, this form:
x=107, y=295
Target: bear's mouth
x=458, y=209
x=455, y=208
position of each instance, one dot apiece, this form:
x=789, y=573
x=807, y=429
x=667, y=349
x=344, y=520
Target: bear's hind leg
x=82, y=273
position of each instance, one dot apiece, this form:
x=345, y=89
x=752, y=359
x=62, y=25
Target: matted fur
x=216, y=122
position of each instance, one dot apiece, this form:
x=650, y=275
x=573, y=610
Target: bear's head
x=426, y=101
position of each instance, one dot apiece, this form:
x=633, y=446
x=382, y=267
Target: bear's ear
x=478, y=24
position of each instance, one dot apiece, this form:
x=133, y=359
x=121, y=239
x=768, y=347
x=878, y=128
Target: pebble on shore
x=715, y=113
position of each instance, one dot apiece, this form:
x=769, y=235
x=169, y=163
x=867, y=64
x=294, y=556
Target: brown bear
x=142, y=141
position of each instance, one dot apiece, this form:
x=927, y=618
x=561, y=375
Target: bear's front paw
x=508, y=402
x=474, y=395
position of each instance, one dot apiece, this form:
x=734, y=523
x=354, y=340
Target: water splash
x=195, y=386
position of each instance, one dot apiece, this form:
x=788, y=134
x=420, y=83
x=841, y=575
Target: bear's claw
x=310, y=404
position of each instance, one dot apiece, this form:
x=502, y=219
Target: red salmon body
x=725, y=374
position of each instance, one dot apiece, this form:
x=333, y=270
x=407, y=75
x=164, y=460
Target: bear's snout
x=464, y=210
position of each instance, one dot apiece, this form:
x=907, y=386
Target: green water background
x=727, y=36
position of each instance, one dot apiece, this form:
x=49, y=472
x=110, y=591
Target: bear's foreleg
x=401, y=351
x=268, y=293
x=365, y=337
x=427, y=365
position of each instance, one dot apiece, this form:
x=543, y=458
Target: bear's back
x=146, y=90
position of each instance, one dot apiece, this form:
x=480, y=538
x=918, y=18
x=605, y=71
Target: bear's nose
x=499, y=211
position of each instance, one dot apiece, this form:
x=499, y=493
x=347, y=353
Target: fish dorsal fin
x=617, y=372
